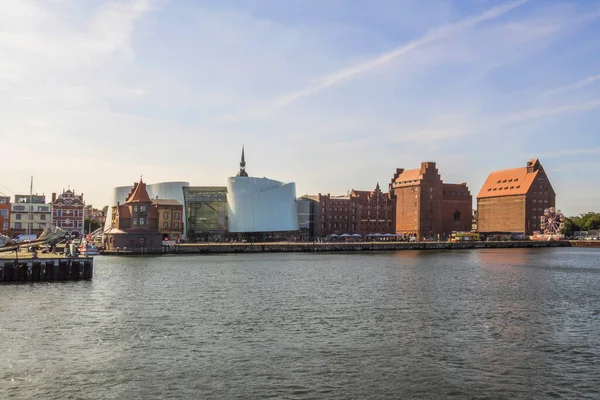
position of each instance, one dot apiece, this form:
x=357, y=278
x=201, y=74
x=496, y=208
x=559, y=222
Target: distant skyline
x=332, y=95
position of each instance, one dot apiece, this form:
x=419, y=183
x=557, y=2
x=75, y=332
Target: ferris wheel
x=552, y=222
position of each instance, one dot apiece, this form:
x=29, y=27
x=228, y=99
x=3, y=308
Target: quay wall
x=281, y=247
x=586, y=243
x=46, y=269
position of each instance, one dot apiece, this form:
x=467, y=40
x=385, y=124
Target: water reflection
x=466, y=324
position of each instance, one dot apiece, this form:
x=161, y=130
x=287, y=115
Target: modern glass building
x=206, y=211
x=306, y=217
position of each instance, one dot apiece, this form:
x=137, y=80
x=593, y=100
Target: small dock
x=50, y=267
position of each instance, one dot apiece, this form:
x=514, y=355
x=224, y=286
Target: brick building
x=457, y=208
x=513, y=200
x=375, y=211
x=170, y=215
x=68, y=212
x=333, y=215
x=4, y=214
x=360, y=212
x=135, y=223
x=428, y=207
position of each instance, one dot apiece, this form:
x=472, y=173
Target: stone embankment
x=585, y=243
x=284, y=247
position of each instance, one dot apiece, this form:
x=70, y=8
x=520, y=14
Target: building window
x=135, y=208
x=176, y=216
x=43, y=217
x=165, y=215
x=17, y=225
x=176, y=225
x=135, y=221
x=142, y=221
x=142, y=208
x=164, y=224
x=457, y=215
x=17, y=216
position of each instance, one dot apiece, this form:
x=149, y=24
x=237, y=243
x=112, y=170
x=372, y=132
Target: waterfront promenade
x=295, y=247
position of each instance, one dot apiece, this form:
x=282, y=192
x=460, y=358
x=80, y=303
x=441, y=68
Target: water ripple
x=519, y=323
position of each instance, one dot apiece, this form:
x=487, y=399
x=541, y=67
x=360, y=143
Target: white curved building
x=161, y=190
x=261, y=205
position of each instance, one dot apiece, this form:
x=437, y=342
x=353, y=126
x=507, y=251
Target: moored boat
x=87, y=249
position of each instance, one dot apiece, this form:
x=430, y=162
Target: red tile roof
x=510, y=182
x=409, y=178
x=138, y=194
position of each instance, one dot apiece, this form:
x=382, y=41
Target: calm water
x=518, y=323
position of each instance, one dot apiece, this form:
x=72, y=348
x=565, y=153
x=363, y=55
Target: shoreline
x=303, y=247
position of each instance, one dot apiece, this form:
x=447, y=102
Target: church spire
x=242, y=165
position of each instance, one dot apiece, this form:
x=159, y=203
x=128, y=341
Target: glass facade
x=306, y=218
x=206, y=211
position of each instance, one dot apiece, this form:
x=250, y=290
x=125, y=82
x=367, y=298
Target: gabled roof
x=359, y=193
x=510, y=182
x=138, y=194
x=409, y=177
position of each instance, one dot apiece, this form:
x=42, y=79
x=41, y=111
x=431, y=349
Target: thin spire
x=242, y=165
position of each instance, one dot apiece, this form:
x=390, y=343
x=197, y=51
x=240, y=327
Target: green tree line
x=584, y=222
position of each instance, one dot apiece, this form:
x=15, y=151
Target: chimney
x=53, y=197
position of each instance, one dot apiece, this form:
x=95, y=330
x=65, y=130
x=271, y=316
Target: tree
x=592, y=222
x=94, y=225
x=570, y=227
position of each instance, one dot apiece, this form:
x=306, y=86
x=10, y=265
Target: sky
x=333, y=95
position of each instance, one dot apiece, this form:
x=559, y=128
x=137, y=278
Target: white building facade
x=261, y=205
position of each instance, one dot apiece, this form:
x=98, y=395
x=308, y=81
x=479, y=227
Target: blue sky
x=333, y=95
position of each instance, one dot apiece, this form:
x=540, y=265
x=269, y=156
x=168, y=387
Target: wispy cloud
x=582, y=83
x=348, y=73
x=473, y=124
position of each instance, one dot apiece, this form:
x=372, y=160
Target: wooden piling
x=46, y=269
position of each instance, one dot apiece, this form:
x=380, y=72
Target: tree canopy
x=584, y=222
